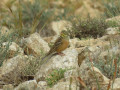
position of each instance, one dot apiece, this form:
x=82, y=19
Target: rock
x=42, y=85
x=113, y=31
x=13, y=50
x=115, y=19
x=28, y=85
x=116, y=84
x=86, y=10
x=64, y=86
x=57, y=4
x=48, y=39
x=57, y=62
x=11, y=69
x=35, y=45
x=8, y=87
x=96, y=72
x=83, y=43
x=58, y=26
x=71, y=74
x=73, y=42
x=89, y=74
x=4, y=31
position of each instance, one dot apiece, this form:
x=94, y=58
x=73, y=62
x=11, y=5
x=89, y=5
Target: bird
x=61, y=43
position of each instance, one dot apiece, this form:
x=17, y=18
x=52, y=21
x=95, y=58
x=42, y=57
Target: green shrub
x=55, y=76
x=4, y=49
x=88, y=28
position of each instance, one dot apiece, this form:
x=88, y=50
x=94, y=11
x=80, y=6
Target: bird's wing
x=57, y=43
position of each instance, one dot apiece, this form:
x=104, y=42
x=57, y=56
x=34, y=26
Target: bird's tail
x=46, y=58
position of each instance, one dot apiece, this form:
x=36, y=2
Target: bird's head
x=64, y=34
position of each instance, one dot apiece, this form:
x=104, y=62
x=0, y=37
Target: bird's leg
x=61, y=54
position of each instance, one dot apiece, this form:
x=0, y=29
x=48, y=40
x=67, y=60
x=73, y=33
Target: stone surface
x=96, y=72
x=113, y=31
x=56, y=62
x=64, y=86
x=116, y=84
x=11, y=69
x=13, y=50
x=35, y=45
x=4, y=31
x=8, y=87
x=42, y=85
x=28, y=85
x=58, y=26
x=86, y=10
x=115, y=19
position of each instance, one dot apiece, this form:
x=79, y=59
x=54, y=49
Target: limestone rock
x=42, y=85
x=13, y=49
x=4, y=31
x=115, y=19
x=35, y=44
x=113, y=31
x=73, y=42
x=56, y=62
x=58, y=26
x=8, y=87
x=116, y=84
x=101, y=78
x=28, y=85
x=64, y=86
x=11, y=69
x=86, y=10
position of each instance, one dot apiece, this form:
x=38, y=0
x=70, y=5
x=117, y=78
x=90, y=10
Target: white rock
x=116, y=84
x=64, y=86
x=96, y=72
x=28, y=85
x=73, y=42
x=8, y=87
x=4, y=31
x=13, y=48
x=42, y=85
x=112, y=31
x=12, y=68
x=35, y=44
x=56, y=62
x=58, y=26
x=13, y=63
x=115, y=19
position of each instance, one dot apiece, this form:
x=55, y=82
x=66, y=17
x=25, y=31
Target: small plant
x=112, y=8
x=108, y=67
x=55, y=76
x=4, y=49
x=89, y=28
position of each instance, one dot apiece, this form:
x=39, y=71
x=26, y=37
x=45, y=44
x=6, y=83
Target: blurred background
x=36, y=15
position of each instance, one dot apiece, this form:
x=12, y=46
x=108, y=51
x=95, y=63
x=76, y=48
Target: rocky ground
x=77, y=60
x=88, y=64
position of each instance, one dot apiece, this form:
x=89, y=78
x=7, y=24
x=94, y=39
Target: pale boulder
x=112, y=31
x=58, y=26
x=13, y=49
x=65, y=86
x=28, y=85
x=34, y=44
x=57, y=62
x=12, y=68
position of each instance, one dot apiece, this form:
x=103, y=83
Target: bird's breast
x=63, y=46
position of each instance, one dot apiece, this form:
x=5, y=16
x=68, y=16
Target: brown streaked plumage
x=60, y=44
